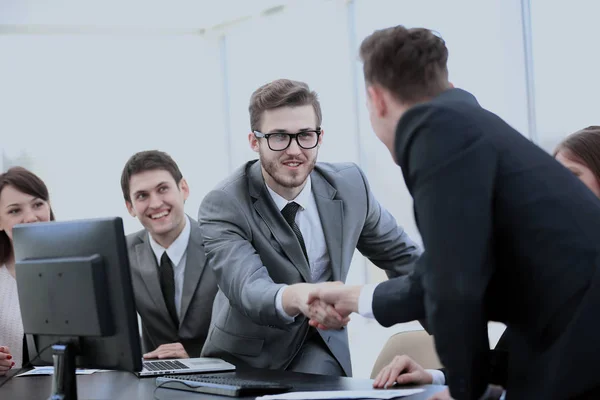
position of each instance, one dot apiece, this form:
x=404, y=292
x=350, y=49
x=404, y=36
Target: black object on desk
x=221, y=385
x=76, y=296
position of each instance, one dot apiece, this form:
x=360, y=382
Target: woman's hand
x=6, y=362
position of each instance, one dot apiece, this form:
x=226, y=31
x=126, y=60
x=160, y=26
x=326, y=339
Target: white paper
x=50, y=371
x=343, y=394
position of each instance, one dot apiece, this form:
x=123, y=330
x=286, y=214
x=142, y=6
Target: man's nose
x=293, y=148
x=155, y=200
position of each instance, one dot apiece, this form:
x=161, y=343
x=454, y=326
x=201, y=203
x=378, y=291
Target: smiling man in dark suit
x=510, y=234
x=174, y=290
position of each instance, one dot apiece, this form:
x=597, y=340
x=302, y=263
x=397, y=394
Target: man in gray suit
x=283, y=224
x=174, y=291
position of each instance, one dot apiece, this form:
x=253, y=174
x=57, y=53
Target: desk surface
x=125, y=385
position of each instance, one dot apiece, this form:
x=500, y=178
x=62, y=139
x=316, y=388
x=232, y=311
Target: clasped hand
x=330, y=304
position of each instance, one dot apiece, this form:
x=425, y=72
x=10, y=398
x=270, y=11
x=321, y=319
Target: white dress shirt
x=309, y=223
x=177, y=252
x=365, y=308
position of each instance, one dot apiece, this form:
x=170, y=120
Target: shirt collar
x=177, y=249
x=303, y=198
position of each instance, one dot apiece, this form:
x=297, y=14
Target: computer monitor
x=76, y=297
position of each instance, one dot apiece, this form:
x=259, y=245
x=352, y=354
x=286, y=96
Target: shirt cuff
x=438, y=377
x=493, y=392
x=365, y=301
x=279, y=306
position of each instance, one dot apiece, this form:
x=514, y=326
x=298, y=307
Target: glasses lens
x=279, y=141
x=308, y=140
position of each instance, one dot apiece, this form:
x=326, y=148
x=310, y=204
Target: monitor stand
x=64, y=384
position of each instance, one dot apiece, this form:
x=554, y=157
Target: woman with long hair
x=23, y=199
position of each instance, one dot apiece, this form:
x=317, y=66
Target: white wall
x=80, y=105
x=566, y=59
x=83, y=88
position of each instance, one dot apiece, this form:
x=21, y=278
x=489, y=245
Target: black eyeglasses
x=280, y=141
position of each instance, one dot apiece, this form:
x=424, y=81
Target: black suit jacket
x=498, y=362
x=510, y=235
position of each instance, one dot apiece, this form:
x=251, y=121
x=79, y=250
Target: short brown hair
x=583, y=147
x=148, y=161
x=26, y=182
x=411, y=63
x=282, y=93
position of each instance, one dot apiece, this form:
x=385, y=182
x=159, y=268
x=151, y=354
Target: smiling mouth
x=292, y=164
x=160, y=214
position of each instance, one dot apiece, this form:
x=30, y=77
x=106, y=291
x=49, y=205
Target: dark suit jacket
x=498, y=362
x=253, y=252
x=199, y=290
x=511, y=236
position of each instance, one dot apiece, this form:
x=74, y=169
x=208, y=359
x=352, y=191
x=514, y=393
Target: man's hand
x=6, y=362
x=295, y=301
x=403, y=370
x=323, y=316
x=169, y=350
x=443, y=395
x=344, y=300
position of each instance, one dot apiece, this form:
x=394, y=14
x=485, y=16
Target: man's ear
x=130, y=208
x=184, y=188
x=377, y=99
x=253, y=141
x=321, y=138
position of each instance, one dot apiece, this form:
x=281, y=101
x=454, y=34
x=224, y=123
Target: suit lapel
x=149, y=271
x=281, y=231
x=195, y=264
x=332, y=220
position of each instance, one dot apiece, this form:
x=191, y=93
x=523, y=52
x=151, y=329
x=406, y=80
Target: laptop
x=184, y=366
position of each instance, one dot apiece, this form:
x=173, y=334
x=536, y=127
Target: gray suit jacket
x=254, y=252
x=199, y=291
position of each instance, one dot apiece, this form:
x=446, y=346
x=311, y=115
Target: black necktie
x=167, y=284
x=289, y=213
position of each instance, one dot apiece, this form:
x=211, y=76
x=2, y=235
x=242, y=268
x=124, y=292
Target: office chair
x=418, y=345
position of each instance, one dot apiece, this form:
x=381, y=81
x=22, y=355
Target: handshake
x=328, y=305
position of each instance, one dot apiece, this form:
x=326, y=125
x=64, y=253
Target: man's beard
x=289, y=181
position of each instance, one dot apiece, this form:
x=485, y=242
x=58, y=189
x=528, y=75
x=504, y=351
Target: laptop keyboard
x=169, y=365
x=222, y=385
x=227, y=380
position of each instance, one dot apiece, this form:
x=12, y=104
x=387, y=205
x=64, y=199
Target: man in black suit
x=509, y=234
